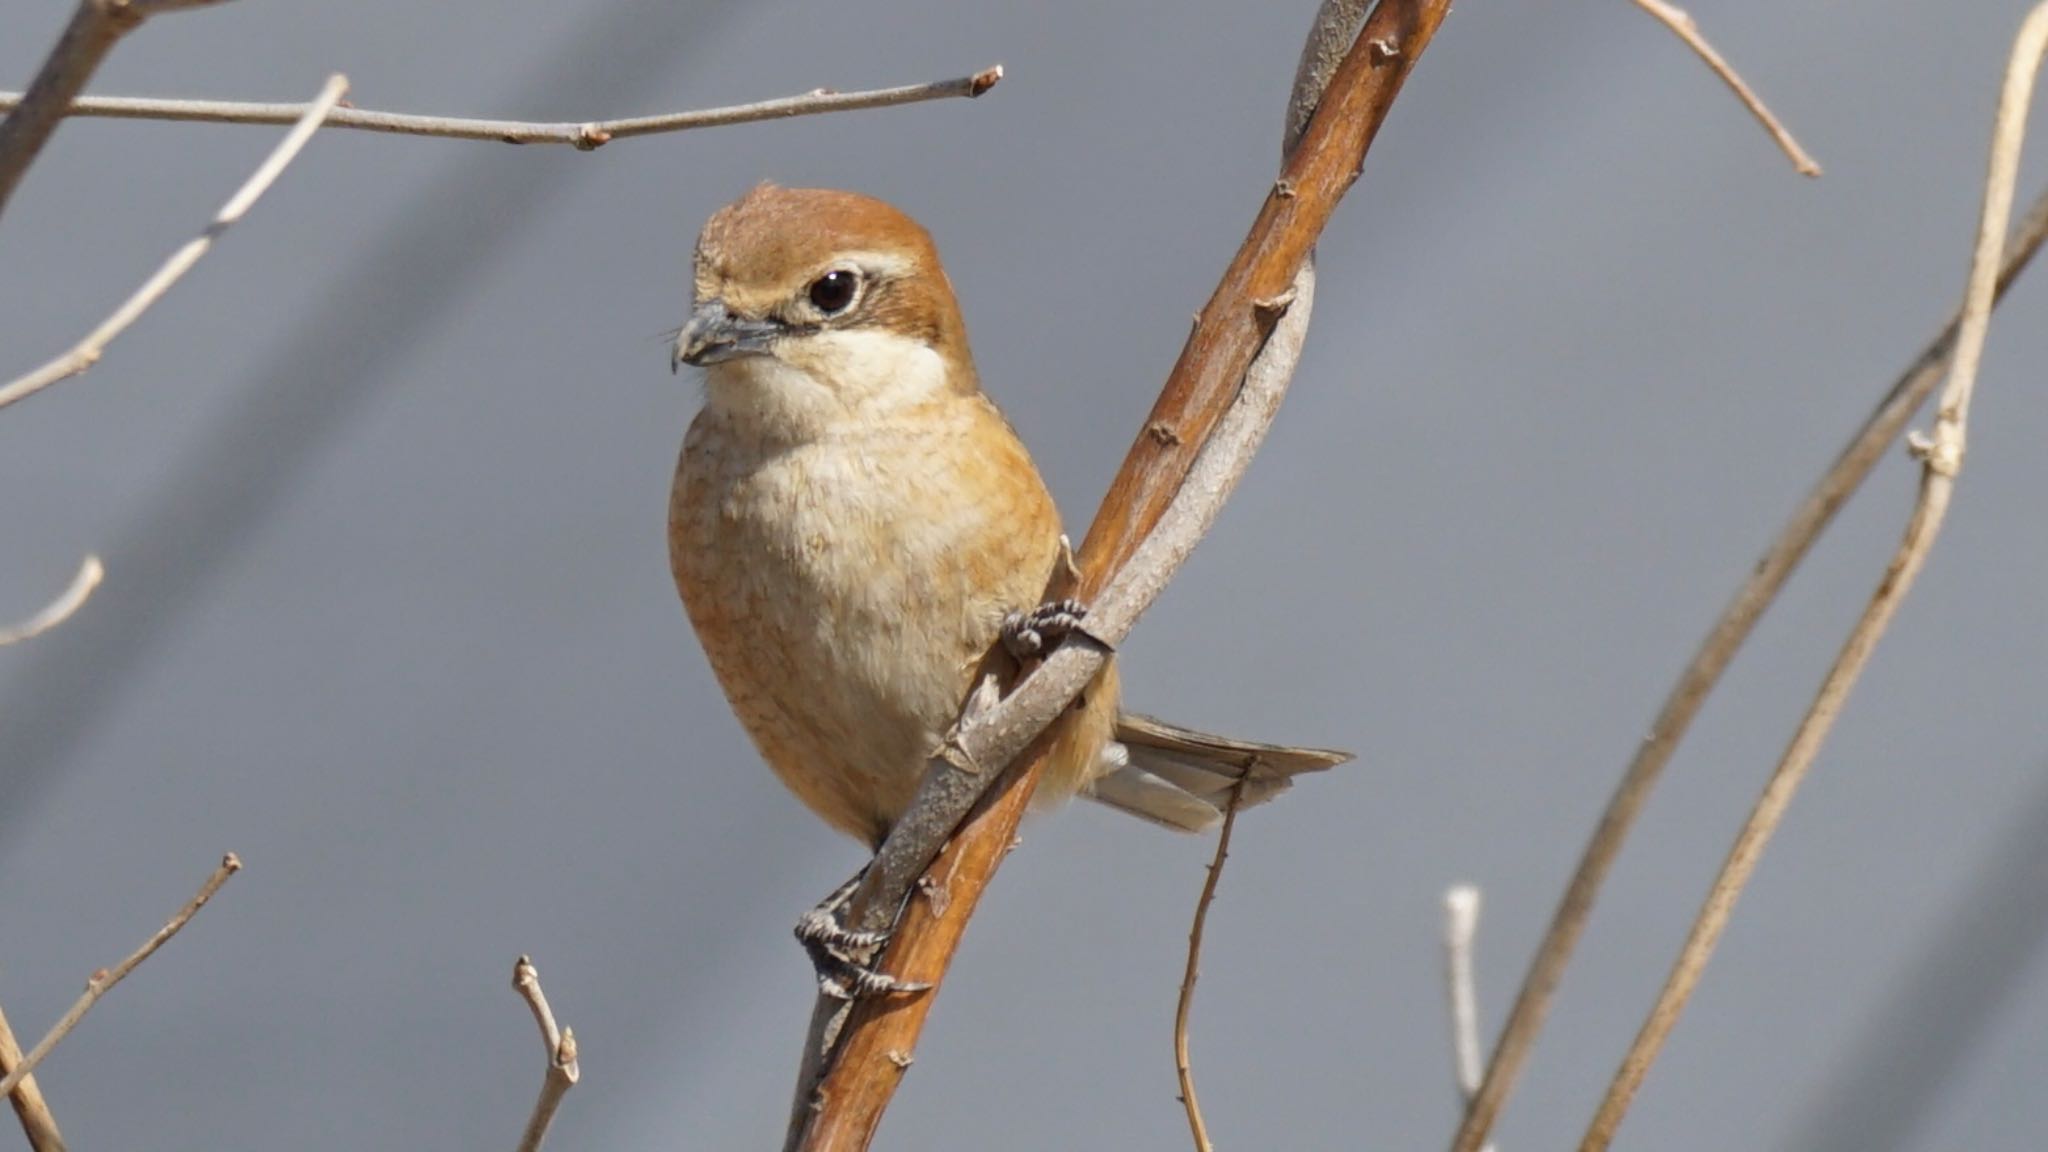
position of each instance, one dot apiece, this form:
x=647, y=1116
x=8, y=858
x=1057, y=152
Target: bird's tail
x=1182, y=778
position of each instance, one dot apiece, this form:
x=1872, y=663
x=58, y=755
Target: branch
x=1941, y=458
x=1461, y=924
x=103, y=981
x=560, y=1044
x=1181, y=1065
x=37, y=1123
x=582, y=135
x=88, y=351
x=1176, y=476
x=1696, y=682
x=94, y=29
x=1682, y=24
x=62, y=608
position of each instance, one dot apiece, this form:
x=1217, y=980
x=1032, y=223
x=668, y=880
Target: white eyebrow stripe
x=883, y=263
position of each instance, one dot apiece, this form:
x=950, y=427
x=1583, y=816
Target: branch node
x=984, y=80
x=590, y=137
x=1384, y=48
x=1160, y=431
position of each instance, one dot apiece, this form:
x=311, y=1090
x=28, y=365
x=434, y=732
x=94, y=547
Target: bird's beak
x=714, y=335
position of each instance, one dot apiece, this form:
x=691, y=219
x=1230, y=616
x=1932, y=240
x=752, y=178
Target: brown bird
x=854, y=524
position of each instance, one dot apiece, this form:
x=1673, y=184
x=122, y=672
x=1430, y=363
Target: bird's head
x=813, y=306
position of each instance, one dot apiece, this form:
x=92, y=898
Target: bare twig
x=57, y=611
x=1843, y=477
x=37, y=1122
x=1182, y=1067
x=88, y=351
x=560, y=1044
x=103, y=981
x=1941, y=457
x=583, y=135
x=1197, y=441
x=1681, y=22
x=95, y=27
x=1461, y=924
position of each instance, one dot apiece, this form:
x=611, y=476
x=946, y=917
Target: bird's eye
x=833, y=292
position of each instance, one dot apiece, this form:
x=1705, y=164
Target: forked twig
x=1182, y=1066
x=87, y=352
x=584, y=135
x=57, y=611
x=1697, y=680
x=1687, y=29
x=560, y=1044
x=103, y=981
x=1941, y=458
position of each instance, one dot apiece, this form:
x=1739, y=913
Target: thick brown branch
x=870, y=1045
x=95, y=27
x=103, y=981
x=581, y=134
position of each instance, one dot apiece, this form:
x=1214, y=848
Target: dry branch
x=37, y=1122
x=1183, y=1067
x=1687, y=29
x=855, y=1056
x=583, y=135
x=57, y=611
x=1461, y=925
x=103, y=981
x=95, y=27
x=87, y=352
x=1941, y=457
x=1698, y=679
x=560, y=1045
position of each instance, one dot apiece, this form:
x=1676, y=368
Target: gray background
x=381, y=490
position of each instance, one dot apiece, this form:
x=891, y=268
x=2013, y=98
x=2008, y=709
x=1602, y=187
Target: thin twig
x=584, y=135
x=57, y=611
x=1941, y=457
x=95, y=27
x=1174, y=478
x=1461, y=924
x=1681, y=22
x=37, y=1122
x=1697, y=681
x=88, y=351
x=1182, y=1067
x=103, y=981
x=560, y=1044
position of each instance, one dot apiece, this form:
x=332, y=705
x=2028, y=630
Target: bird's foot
x=1030, y=635
x=843, y=958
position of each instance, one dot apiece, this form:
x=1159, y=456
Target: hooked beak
x=714, y=335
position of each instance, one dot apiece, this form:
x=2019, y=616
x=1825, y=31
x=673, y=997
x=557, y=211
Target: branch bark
x=57, y=611
x=1183, y=1065
x=88, y=351
x=37, y=1122
x=560, y=1044
x=1941, y=458
x=583, y=135
x=1687, y=29
x=95, y=27
x=1184, y=463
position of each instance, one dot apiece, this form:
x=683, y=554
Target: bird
x=854, y=524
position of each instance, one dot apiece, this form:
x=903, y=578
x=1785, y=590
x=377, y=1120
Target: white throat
x=826, y=383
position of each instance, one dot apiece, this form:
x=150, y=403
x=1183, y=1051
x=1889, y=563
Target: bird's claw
x=1030, y=635
x=844, y=958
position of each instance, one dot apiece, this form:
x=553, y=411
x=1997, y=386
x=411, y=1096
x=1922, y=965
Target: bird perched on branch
x=854, y=525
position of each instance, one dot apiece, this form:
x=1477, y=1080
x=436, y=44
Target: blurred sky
x=381, y=490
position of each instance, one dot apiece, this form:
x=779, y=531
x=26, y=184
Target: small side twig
x=37, y=1122
x=560, y=1044
x=1182, y=1067
x=103, y=981
x=1461, y=925
x=57, y=611
x=1941, y=459
x=583, y=135
x=1687, y=29
x=88, y=351
x=95, y=27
